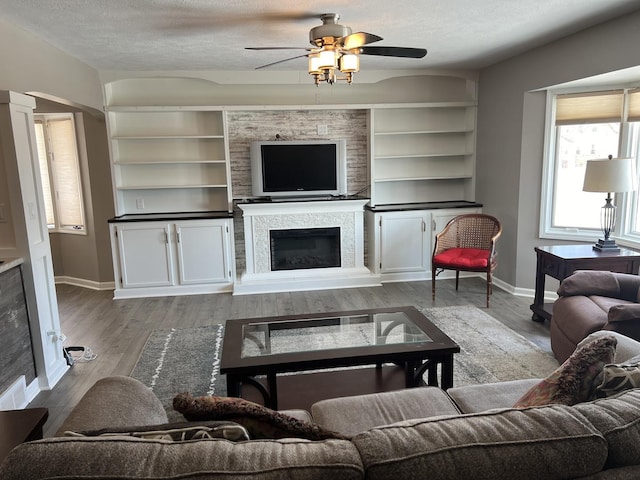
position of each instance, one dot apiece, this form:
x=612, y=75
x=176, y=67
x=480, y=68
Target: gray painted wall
x=510, y=131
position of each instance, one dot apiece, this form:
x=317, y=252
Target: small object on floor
x=86, y=356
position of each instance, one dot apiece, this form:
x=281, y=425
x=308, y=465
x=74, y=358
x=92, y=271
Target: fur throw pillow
x=260, y=422
x=576, y=379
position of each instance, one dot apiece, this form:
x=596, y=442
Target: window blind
x=634, y=105
x=594, y=107
x=66, y=176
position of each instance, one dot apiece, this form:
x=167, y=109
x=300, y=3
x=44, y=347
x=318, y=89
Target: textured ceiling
x=211, y=35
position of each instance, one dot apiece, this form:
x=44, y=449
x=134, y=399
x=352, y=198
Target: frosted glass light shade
x=314, y=65
x=327, y=59
x=614, y=175
x=349, y=63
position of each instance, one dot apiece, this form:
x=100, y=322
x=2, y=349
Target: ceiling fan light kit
x=336, y=50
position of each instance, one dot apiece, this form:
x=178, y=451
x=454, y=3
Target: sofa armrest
x=115, y=402
x=624, y=312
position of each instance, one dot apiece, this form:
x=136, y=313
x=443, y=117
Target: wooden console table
x=560, y=261
x=18, y=426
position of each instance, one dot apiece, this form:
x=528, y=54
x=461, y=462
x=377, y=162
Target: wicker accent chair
x=467, y=243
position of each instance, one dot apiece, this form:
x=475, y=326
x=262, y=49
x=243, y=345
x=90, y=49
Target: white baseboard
x=549, y=296
x=81, y=282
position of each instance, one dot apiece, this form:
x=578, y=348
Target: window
x=583, y=127
x=60, y=171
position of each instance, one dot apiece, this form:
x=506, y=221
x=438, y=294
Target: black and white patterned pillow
x=619, y=377
x=175, y=432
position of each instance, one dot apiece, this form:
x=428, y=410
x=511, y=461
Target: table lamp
x=612, y=175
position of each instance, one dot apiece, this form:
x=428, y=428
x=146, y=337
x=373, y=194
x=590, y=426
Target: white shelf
x=168, y=162
x=424, y=132
x=165, y=187
x=422, y=179
x=164, y=137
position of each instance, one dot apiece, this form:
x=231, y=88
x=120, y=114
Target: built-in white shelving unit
x=422, y=152
x=167, y=156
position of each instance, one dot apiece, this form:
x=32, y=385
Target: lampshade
x=314, y=64
x=327, y=59
x=349, y=63
x=613, y=175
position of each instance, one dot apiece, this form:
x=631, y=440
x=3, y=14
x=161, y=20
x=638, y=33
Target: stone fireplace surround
x=260, y=217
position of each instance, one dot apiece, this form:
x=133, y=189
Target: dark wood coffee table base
x=300, y=391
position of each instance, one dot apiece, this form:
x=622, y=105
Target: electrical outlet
x=140, y=203
x=323, y=130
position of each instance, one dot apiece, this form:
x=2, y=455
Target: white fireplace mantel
x=262, y=217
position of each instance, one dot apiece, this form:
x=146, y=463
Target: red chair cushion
x=462, y=258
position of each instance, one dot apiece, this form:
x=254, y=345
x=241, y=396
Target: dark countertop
x=321, y=198
x=400, y=207
x=151, y=217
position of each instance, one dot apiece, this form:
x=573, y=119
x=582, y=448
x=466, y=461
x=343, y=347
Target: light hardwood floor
x=116, y=330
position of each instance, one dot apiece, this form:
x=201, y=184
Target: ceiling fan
x=336, y=49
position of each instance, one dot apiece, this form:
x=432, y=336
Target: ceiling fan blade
x=280, y=61
x=277, y=48
x=394, y=51
x=359, y=39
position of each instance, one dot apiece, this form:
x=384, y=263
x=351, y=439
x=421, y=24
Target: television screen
x=298, y=168
x=303, y=168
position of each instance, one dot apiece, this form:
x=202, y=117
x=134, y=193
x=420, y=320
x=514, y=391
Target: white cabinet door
x=145, y=254
x=404, y=242
x=202, y=252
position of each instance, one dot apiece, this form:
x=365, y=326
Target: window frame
x=626, y=203
x=43, y=118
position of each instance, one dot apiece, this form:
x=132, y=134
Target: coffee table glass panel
x=265, y=338
x=400, y=338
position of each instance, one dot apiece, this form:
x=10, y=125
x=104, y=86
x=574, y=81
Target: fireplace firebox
x=302, y=248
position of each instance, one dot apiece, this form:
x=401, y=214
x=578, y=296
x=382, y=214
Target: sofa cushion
x=351, y=415
x=463, y=258
x=618, y=419
x=485, y=396
x=132, y=458
x=260, y=422
x=536, y=443
x=117, y=401
x=575, y=380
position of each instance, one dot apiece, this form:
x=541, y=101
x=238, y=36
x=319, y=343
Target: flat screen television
x=302, y=168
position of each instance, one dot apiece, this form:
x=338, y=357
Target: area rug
x=188, y=359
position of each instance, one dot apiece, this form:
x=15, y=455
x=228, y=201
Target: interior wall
x=247, y=126
x=511, y=142
x=85, y=258
x=32, y=65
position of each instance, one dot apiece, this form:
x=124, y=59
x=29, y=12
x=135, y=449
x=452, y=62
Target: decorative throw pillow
x=176, y=432
x=260, y=422
x=575, y=380
x=619, y=377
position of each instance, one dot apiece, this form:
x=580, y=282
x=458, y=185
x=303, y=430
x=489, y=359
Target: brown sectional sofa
x=589, y=301
x=465, y=433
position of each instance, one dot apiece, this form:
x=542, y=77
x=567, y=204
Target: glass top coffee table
x=301, y=357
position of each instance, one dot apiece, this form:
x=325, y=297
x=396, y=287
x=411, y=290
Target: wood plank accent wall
x=16, y=354
x=247, y=126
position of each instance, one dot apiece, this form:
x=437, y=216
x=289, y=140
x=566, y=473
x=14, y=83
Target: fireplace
x=302, y=248
x=303, y=245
